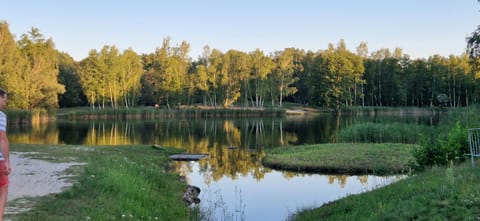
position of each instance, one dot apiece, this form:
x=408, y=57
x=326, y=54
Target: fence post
x=473, y=140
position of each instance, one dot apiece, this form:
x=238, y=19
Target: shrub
x=443, y=149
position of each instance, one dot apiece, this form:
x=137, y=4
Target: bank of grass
x=436, y=194
x=343, y=158
x=117, y=183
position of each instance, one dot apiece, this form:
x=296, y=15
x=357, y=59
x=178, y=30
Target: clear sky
x=420, y=27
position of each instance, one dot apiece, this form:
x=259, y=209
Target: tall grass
x=391, y=111
x=153, y=113
x=35, y=116
x=18, y=116
x=373, y=132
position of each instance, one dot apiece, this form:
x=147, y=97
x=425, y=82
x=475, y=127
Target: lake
x=234, y=185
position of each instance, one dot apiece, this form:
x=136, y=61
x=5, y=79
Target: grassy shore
x=345, y=158
x=436, y=194
x=117, y=183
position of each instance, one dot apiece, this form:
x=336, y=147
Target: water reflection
x=278, y=195
x=182, y=133
x=205, y=134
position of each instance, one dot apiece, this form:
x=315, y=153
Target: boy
x=4, y=154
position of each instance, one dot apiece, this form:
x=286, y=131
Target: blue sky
x=420, y=27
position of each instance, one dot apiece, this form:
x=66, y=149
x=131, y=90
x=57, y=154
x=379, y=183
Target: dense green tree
x=235, y=69
x=336, y=73
x=261, y=67
x=129, y=77
x=214, y=67
x=167, y=72
x=178, y=66
x=458, y=75
x=304, y=94
x=362, y=52
x=13, y=66
x=200, y=80
x=384, y=78
x=283, y=79
x=110, y=64
x=91, y=78
x=111, y=78
x=147, y=91
x=69, y=76
x=41, y=78
x=473, y=44
x=357, y=78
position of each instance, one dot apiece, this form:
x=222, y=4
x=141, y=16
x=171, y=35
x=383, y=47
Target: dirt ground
x=33, y=178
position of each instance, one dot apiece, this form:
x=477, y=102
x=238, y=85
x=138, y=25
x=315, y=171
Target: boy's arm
x=5, y=146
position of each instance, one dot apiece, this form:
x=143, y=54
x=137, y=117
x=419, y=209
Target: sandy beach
x=33, y=178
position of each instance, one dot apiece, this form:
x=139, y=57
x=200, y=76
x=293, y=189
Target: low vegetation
x=386, y=158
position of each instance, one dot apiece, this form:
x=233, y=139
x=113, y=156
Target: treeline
x=38, y=76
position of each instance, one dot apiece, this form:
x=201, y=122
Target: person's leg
x=3, y=200
x=3, y=189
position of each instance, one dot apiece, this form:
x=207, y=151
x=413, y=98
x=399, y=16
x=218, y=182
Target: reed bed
x=154, y=113
x=374, y=132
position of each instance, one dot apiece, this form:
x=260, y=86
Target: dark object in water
x=190, y=196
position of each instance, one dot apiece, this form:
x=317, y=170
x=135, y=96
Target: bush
x=443, y=149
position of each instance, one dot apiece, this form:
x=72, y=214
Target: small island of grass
x=343, y=158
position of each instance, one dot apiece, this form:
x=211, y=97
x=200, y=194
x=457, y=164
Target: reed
x=391, y=111
x=18, y=116
x=154, y=113
x=393, y=132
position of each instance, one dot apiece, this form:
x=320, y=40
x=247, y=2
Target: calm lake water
x=234, y=185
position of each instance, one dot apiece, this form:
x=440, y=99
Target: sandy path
x=32, y=178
